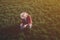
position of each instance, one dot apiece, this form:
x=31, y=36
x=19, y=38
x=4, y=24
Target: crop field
x=45, y=16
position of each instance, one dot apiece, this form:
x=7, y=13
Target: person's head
x=23, y=15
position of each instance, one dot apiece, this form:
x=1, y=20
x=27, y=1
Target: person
x=26, y=21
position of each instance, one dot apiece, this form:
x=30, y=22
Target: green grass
x=45, y=15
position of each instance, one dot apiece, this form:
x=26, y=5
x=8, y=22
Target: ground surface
x=45, y=15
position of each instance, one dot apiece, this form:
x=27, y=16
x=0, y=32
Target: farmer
x=26, y=21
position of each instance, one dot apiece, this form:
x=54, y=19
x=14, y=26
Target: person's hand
x=30, y=26
x=25, y=26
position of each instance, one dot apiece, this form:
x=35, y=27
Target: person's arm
x=29, y=20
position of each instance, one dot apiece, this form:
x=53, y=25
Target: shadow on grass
x=14, y=33
x=9, y=33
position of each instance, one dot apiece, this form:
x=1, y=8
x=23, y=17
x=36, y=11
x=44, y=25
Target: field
x=45, y=15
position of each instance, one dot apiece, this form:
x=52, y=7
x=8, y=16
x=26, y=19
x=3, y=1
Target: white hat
x=23, y=15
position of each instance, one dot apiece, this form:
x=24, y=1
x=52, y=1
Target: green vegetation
x=45, y=15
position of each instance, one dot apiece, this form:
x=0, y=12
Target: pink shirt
x=27, y=20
